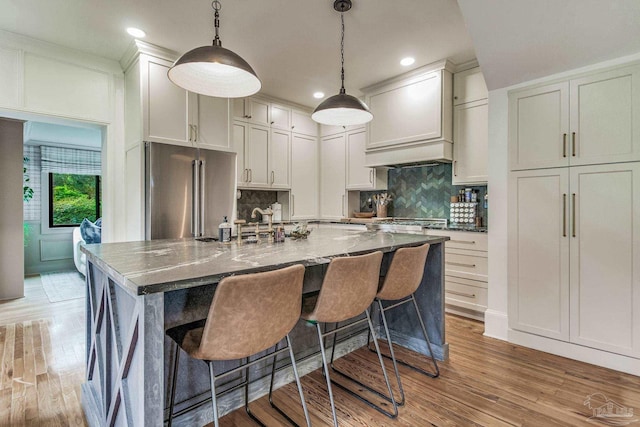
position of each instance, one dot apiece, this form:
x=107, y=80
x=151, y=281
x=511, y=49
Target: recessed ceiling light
x=136, y=32
x=318, y=95
x=407, y=61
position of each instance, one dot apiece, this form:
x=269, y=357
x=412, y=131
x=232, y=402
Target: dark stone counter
x=163, y=265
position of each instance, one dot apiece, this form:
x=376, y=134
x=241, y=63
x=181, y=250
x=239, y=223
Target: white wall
x=49, y=83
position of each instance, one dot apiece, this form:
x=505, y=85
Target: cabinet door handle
x=249, y=116
x=293, y=127
x=273, y=177
x=371, y=176
x=455, y=172
x=190, y=133
x=462, y=294
x=564, y=215
x=573, y=144
x=573, y=219
x=564, y=145
x=195, y=133
x=459, y=264
x=293, y=205
x=272, y=122
x=466, y=242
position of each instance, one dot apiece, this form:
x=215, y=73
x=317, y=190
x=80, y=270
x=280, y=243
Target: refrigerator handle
x=194, y=198
x=202, y=191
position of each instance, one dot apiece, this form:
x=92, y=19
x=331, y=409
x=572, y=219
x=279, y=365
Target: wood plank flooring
x=486, y=382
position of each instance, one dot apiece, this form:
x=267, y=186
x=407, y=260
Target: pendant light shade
x=214, y=70
x=342, y=109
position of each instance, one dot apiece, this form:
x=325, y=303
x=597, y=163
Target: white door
x=605, y=257
x=304, y=177
x=470, y=143
x=539, y=253
x=240, y=142
x=279, y=154
x=605, y=117
x=258, y=111
x=358, y=176
x=257, y=156
x=212, y=122
x=332, y=177
x=538, y=127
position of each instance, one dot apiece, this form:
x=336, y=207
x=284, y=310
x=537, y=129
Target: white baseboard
x=496, y=325
x=593, y=356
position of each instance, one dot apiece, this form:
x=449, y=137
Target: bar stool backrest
x=251, y=313
x=405, y=273
x=348, y=288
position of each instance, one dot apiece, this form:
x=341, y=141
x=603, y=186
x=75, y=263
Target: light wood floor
x=485, y=382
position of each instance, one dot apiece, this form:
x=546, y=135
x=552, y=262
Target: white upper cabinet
x=170, y=114
x=587, y=120
x=470, y=128
x=279, y=158
x=280, y=117
x=210, y=122
x=165, y=106
x=359, y=176
x=605, y=117
x=333, y=177
x=302, y=123
x=410, y=109
x=539, y=126
x=304, y=177
x=252, y=110
x=469, y=86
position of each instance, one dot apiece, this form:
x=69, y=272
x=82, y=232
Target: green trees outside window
x=73, y=198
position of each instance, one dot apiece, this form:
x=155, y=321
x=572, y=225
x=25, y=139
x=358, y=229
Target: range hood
x=411, y=155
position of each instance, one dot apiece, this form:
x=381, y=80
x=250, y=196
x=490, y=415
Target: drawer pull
x=466, y=242
x=462, y=294
x=459, y=264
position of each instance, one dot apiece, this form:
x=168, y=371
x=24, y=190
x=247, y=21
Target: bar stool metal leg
x=383, y=310
x=325, y=367
x=390, y=398
x=393, y=356
x=298, y=383
x=174, y=378
x=214, y=401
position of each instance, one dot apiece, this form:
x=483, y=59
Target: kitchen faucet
x=269, y=213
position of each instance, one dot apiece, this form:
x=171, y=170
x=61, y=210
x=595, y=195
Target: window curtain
x=70, y=161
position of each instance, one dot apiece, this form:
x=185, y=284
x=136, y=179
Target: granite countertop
x=163, y=265
x=450, y=227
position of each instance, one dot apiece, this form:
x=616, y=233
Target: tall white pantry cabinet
x=574, y=211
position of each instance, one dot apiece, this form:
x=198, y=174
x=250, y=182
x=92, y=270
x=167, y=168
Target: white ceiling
x=292, y=45
x=520, y=40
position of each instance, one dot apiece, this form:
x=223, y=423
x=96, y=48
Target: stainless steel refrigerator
x=188, y=192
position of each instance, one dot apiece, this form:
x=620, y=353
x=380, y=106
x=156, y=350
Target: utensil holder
x=382, y=211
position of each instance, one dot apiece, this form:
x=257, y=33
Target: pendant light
x=214, y=70
x=342, y=109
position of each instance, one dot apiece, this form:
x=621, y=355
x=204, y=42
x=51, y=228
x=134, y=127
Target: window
x=73, y=198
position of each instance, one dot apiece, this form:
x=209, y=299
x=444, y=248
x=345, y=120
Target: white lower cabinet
x=304, y=177
x=574, y=255
x=466, y=264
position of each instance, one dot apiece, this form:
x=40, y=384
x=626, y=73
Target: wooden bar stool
x=248, y=315
x=399, y=285
x=348, y=289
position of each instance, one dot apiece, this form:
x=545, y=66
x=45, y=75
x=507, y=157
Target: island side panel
x=403, y=324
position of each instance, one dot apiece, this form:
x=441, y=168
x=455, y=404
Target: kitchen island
x=137, y=290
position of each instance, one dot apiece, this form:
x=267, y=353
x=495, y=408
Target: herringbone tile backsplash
x=423, y=192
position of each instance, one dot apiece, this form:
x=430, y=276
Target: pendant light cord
x=215, y=4
x=342, y=91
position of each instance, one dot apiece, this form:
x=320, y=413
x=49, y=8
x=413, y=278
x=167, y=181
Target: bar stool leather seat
x=249, y=314
x=348, y=289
